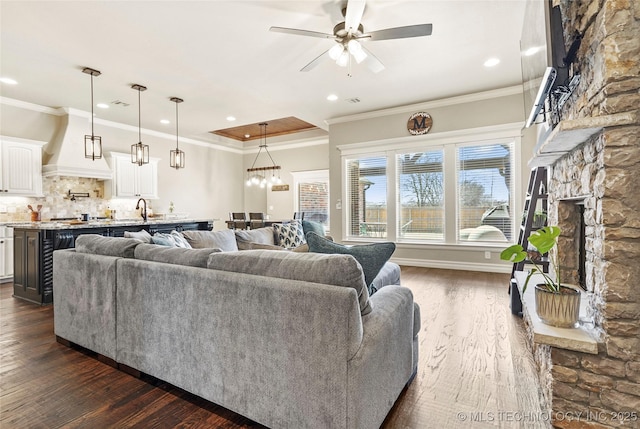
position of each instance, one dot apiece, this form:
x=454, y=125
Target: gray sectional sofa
x=289, y=340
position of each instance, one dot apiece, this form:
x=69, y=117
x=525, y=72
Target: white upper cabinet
x=21, y=162
x=133, y=180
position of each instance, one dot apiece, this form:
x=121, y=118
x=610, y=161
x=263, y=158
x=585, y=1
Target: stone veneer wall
x=603, y=389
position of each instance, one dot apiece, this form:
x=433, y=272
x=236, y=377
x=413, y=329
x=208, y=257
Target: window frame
x=449, y=141
x=312, y=176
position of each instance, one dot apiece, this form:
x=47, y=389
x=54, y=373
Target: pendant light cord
x=139, y=122
x=177, y=147
x=92, y=107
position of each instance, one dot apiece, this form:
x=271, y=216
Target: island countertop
x=101, y=223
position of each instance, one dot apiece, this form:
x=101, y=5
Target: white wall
x=292, y=157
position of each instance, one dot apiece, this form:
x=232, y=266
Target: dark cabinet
x=27, y=265
x=33, y=253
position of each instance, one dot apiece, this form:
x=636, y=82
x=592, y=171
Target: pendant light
x=176, y=157
x=257, y=175
x=139, y=151
x=92, y=143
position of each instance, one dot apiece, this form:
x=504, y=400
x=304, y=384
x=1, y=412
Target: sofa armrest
x=387, y=352
x=85, y=308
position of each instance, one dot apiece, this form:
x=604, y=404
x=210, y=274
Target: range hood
x=64, y=156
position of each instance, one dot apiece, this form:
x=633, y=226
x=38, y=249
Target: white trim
x=29, y=106
x=454, y=265
x=479, y=134
x=444, y=102
x=296, y=144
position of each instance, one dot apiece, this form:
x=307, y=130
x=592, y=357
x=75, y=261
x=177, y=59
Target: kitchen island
x=35, y=242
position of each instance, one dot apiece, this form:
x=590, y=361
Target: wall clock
x=419, y=123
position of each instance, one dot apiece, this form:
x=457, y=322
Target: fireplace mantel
x=580, y=339
x=569, y=134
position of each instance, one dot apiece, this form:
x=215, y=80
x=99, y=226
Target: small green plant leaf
x=514, y=253
x=545, y=238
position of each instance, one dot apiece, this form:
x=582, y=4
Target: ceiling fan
x=348, y=35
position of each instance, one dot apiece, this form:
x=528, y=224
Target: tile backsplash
x=56, y=202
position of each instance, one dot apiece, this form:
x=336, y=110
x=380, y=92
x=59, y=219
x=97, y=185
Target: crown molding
x=62, y=111
x=444, y=102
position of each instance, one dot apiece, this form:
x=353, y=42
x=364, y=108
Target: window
x=312, y=195
x=484, y=183
x=420, y=195
x=452, y=189
x=367, y=193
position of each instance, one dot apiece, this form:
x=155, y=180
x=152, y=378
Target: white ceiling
x=221, y=58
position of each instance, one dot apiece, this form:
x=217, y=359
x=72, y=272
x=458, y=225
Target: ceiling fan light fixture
x=343, y=59
x=336, y=51
x=355, y=49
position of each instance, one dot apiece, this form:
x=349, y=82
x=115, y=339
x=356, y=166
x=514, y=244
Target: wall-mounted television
x=546, y=66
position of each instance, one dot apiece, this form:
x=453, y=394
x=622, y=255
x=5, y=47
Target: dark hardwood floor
x=475, y=369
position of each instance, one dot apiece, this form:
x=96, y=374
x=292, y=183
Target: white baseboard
x=453, y=265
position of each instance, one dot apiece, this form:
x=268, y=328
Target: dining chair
x=238, y=219
x=256, y=220
x=298, y=215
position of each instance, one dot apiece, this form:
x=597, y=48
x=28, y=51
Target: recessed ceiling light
x=491, y=62
x=231, y=118
x=8, y=81
x=164, y=121
x=532, y=51
x=102, y=105
x=332, y=97
x=246, y=136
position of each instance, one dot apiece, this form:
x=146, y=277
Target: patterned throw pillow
x=290, y=235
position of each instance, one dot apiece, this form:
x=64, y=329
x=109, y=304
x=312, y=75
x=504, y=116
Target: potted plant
x=557, y=304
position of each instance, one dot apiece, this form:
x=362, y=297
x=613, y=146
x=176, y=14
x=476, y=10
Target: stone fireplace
x=593, y=156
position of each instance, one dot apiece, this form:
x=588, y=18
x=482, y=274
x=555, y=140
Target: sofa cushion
x=174, y=255
x=224, y=240
x=372, y=257
x=338, y=270
x=108, y=246
x=141, y=235
x=311, y=226
x=289, y=235
x=264, y=235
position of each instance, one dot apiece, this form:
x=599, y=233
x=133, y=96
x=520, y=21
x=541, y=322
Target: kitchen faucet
x=143, y=213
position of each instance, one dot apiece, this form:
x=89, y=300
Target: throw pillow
x=311, y=226
x=250, y=245
x=224, y=240
x=163, y=239
x=141, y=235
x=180, y=240
x=260, y=235
x=338, y=270
x=372, y=257
x=290, y=235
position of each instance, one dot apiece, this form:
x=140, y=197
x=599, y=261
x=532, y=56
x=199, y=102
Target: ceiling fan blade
x=298, y=32
x=372, y=62
x=355, y=9
x=317, y=60
x=401, y=32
